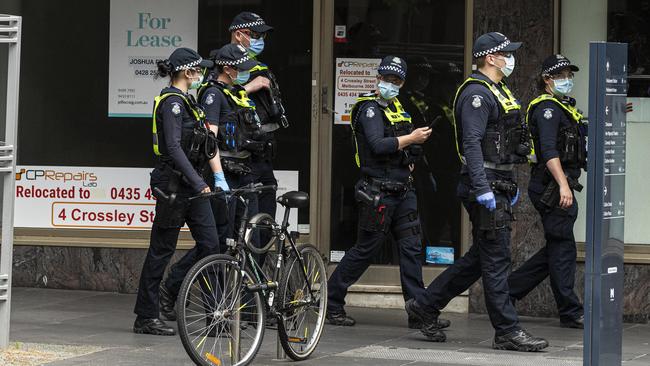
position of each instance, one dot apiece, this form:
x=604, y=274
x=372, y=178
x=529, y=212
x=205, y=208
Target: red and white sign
x=97, y=198
x=353, y=76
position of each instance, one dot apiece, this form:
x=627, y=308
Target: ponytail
x=164, y=69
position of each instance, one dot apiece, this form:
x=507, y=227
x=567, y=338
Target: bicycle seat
x=294, y=199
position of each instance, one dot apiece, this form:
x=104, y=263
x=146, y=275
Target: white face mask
x=509, y=67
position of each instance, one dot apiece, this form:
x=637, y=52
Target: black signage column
x=605, y=204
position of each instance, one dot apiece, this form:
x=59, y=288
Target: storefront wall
x=533, y=23
x=112, y=261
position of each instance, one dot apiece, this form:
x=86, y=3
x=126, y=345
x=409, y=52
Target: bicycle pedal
x=297, y=340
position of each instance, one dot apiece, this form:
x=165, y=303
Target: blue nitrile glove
x=487, y=200
x=514, y=199
x=220, y=181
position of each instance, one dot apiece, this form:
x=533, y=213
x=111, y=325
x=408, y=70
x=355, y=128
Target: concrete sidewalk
x=100, y=323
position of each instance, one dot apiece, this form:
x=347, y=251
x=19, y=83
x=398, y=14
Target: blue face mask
x=562, y=87
x=509, y=67
x=257, y=46
x=197, y=83
x=242, y=77
x=388, y=90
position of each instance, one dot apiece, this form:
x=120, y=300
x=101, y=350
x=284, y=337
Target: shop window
x=429, y=35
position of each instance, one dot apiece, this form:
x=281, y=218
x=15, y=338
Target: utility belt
x=490, y=222
x=505, y=187
x=387, y=186
x=260, y=149
x=236, y=166
x=495, y=166
x=551, y=195
x=171, y=213
x=375, y=215
x=370, y=190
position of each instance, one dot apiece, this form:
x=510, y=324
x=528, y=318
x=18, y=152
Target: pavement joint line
x=461, y=358
x=639, y=356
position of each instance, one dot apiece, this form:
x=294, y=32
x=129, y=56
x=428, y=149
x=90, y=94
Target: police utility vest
x=269, y=102
x=240, y=134
x=197, y=141
x=396, y=123
x=571, y=140
x=505, y=141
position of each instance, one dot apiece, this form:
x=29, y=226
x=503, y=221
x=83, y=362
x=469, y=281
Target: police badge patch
x=548, y=113
x=209, y=99
x=476, y=102
x=370, y=112
x=176, y=108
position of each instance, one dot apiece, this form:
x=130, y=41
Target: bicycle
x=225, y=298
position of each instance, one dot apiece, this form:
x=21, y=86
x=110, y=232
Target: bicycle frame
x=264, y=283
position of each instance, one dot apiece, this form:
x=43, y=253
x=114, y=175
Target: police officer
x=250, y=30
x=558, y=134
x=386, y=148
x=228, y=107
x=217, y=101
x=490, y=141
x=183, y=145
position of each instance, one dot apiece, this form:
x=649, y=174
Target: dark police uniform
x=178, y=120
x=233, y=112
x=272, y=116
x=490, y=141
x=557, y=131
x=390, y=204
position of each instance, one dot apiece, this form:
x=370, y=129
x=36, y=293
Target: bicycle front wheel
x=219, y=321
x=302, y=312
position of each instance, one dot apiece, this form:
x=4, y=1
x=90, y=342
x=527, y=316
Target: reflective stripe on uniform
x=572, y=111
x=508, y=102
x=399, y=116
x=199, y=115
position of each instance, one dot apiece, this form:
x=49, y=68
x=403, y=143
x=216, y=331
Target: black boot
x=340, y=318
x=519, y=340
x=430, y=324
x=167, y=303
x=576, y=323
x=416, y=323
x=153, y=326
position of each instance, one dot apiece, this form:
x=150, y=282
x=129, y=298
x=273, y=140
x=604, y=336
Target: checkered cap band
x=398, y=70
x=559, y=65
x=232, y=63
x=493, y=49
x=246, y=25
x=189, y=65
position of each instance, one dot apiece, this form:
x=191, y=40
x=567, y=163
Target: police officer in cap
x=490, y=141
x=558, y=134
x=227, y=106
x=250, y=30
x=217, y=98
x=387, y=147
x=178, y=125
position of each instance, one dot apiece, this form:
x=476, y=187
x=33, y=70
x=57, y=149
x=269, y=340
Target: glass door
x=429, y=35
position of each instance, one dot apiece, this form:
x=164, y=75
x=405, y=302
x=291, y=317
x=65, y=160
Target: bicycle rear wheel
x=302, y=312
x=219, y=321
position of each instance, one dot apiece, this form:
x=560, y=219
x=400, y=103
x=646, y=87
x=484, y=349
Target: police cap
x=556, y=63
x=493, y=42
x=393, y=65
x=233, y=55
x=185, y=58
x=248, y=20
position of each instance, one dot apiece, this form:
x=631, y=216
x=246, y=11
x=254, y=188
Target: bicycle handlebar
x=250, y=188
